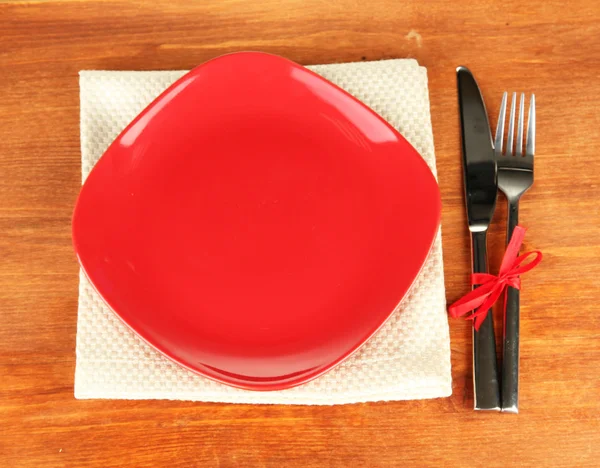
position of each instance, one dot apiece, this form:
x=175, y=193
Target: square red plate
x=256, y=223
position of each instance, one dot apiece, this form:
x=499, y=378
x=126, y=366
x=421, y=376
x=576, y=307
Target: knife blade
x=481, y=188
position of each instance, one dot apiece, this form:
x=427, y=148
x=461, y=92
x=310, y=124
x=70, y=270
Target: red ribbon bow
x=490, y=287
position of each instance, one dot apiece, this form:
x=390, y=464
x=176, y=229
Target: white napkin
x=408, y=358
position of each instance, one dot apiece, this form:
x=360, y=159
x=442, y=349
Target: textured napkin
x=408, y=358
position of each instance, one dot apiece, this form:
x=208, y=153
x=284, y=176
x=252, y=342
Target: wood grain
x=551, y=48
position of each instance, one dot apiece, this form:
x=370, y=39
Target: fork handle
x=510, y=361
x=485, y=370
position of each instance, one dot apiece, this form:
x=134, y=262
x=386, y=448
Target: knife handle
x=485, y=367
x=510, y=361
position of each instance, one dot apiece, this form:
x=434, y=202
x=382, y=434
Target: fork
x=515, y=176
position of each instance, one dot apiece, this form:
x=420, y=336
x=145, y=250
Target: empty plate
x=256, y=223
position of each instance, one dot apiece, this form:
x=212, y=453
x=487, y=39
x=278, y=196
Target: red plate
x=256, y=223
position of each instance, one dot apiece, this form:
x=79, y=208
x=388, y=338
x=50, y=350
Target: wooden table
x=550, y=47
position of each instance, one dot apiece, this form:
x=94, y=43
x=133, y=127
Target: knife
x=480, y=181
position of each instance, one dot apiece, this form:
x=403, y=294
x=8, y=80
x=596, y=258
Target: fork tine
x=511, y=127
x=530, y=149
x=500, y=126
x=519, y=141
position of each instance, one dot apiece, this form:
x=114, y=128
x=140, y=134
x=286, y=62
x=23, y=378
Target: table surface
x=551, y=48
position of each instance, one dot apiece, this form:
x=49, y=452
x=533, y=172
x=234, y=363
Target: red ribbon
x=490, y=288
